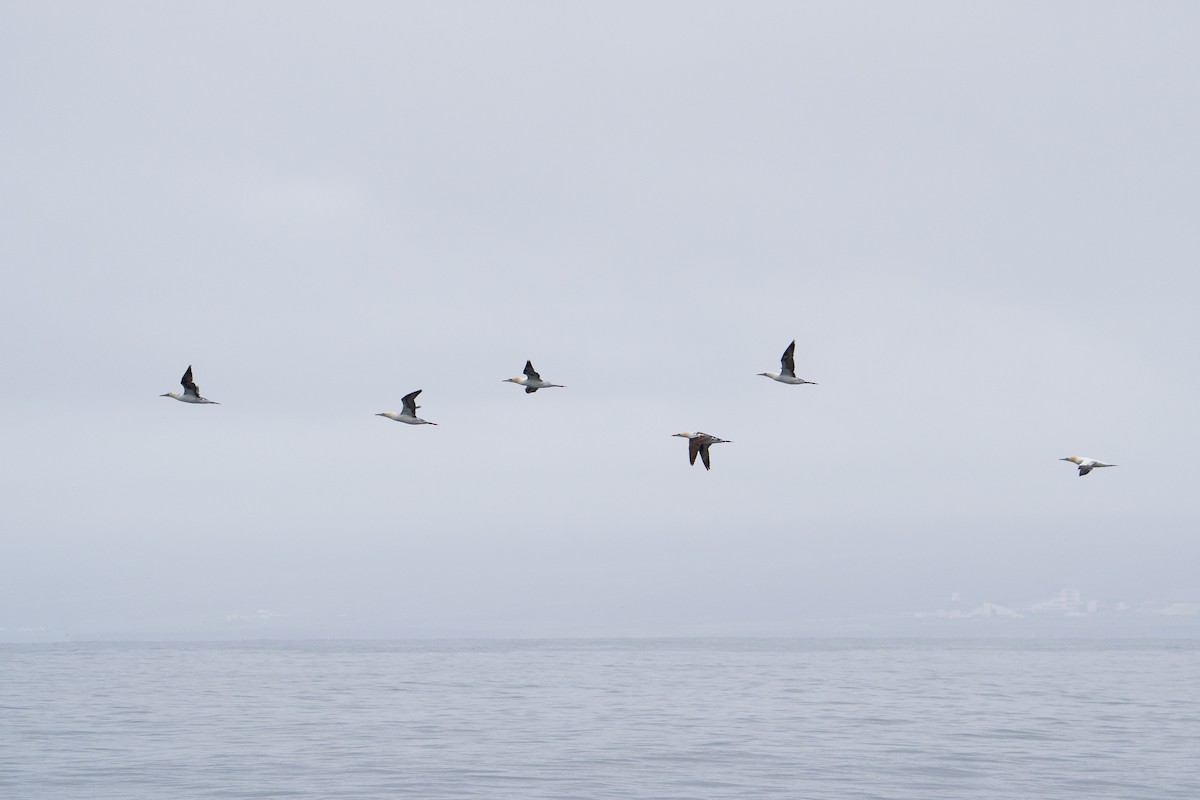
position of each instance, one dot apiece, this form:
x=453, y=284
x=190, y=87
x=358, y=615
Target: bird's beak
x=1064, y=459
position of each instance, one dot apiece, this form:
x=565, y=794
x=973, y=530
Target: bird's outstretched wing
x=704, y=455
x=1084, y=471
x=410, y=402
x=189, y=386
x=788, y=362
x=693, y=449
x=530, y=372
x=530, y=389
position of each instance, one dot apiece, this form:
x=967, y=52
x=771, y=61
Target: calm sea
x=601, y=719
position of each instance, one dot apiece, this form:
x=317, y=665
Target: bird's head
x=685, y=434
x=1072, y=459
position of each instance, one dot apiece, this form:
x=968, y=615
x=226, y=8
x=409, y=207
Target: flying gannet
x=1086, y=465
x=699, y=442
x=409, y=415
x=190, y=393
x=531, y=380
x=787, y=368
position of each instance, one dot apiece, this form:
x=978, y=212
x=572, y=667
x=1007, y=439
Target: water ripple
x=606, y=719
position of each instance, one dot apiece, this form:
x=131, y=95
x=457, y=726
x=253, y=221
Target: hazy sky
x=977, y=220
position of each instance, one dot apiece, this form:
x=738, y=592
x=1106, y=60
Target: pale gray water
x=601, y=719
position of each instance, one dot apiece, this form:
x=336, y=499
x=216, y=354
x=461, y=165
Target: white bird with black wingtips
x=1085, y=464
x=698, y=444
x=531, y=380
x=409, y=414
x=190, y=393
x=787, y=368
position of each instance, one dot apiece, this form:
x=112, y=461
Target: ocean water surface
x=601, y=719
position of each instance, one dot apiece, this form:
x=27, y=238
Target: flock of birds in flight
x=699, y=442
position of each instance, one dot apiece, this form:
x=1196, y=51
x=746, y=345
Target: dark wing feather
x=788, y=362
x=410, y=401
x=188, y=384
x=530, y=372
x=704, y=455
x=530, y=389
x=693, y=449
x=1084, y=471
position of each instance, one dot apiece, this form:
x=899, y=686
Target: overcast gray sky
x=977, y=220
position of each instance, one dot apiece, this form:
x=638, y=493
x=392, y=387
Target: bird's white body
x=407, y=419
x=531, y=380
x=409, y=414
x=792, y=379
x=190, y=393
x=787, y=368
x=698, y=444
x=184, y=397
x=1085, y=464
